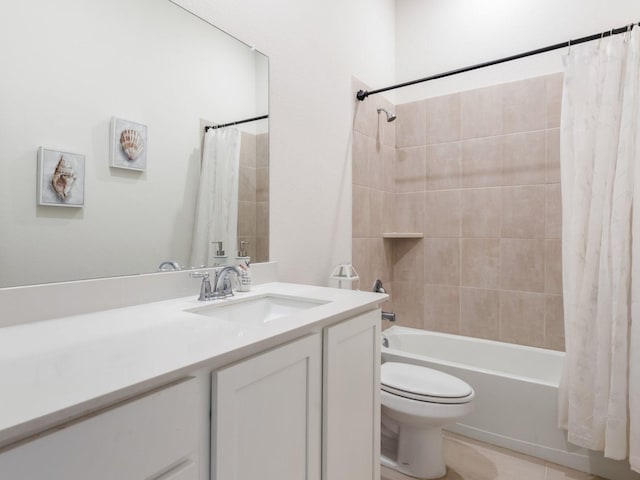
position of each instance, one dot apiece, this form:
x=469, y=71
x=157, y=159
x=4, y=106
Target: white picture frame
x=128, y=145
x=61, y=178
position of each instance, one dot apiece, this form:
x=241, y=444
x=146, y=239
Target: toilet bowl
x=416, y=403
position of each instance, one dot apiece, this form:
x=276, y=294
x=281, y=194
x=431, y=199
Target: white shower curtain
x=600, y=130
x=217, y=205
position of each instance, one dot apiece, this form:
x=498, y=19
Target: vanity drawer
x=140, y=439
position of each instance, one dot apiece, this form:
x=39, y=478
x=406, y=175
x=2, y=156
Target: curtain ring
x=569, y=49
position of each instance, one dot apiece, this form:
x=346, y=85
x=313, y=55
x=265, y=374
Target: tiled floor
x=468, y=459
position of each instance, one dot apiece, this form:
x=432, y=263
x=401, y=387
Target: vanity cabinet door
x=351, y=385
x=154, y=436
x=266, y=415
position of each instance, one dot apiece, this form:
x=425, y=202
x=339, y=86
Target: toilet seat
x=424, y=384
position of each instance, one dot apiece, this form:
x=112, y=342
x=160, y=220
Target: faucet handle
x=377, y=287
x=199, y=274
x=205, y=288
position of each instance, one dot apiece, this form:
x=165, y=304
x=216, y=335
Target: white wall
x=314, y=47
x=70, y=65
x=262, y=93
x=434, y=36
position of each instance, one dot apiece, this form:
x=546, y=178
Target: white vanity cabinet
x=266, y=415
x=351, y=399
x=150, y=437
x=306, y=410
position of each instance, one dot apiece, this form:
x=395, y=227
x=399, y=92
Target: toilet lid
x=422, y=383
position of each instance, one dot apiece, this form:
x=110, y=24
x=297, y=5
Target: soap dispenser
x=219, y=259
x=244, y=279
x=242, y=252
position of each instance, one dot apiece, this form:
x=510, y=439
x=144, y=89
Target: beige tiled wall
x=253, y=195
x=478, y=173
x=262, y=198
x=373, y=191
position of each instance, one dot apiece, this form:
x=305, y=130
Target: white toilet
x=416, y=403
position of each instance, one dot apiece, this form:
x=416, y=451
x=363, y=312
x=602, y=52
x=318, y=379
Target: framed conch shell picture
x=60, y=178
x=128, y=145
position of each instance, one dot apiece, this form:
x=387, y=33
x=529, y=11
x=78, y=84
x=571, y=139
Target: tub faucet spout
x=391, y=316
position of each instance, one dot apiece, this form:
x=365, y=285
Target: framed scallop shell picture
x=60, y=178
x=128, y=145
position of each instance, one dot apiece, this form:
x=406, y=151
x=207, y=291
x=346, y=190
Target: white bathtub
x=516, y=394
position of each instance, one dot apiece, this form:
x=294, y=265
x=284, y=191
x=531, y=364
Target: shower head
x=390, y=116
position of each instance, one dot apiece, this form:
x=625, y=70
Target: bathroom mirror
x=71, y=68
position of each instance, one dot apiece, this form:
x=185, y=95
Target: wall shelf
x=403, y=235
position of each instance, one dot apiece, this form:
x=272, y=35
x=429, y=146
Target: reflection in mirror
x=75, y=66
x=225, y=173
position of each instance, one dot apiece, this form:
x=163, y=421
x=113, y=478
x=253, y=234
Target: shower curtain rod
x=362, y=94
x=230, y=124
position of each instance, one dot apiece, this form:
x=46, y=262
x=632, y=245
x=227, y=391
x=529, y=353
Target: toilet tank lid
x=422, y=381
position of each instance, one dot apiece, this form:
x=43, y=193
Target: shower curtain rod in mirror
x=230, y=124
x=362, y=94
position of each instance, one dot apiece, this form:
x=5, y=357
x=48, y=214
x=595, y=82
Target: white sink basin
x=256, y=310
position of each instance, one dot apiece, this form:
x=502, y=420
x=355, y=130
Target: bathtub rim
x=400, y=330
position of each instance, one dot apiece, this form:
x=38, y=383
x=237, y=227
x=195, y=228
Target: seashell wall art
x=128, y=145
x=60, y=178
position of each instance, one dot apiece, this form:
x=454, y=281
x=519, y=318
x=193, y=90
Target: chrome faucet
x=221, y=284
x=222, y=287
x=168, y=263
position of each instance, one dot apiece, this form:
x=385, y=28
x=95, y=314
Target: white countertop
x=56, y=370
